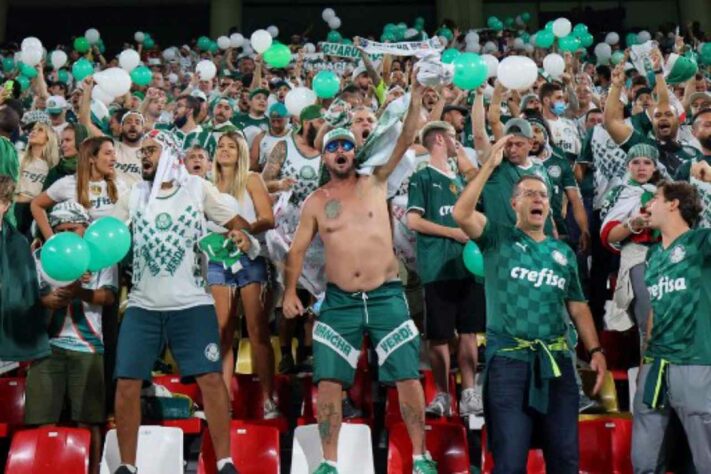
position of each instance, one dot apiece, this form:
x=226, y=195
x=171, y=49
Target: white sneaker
x=271, y=410
x=441, y=405
x=471, y=402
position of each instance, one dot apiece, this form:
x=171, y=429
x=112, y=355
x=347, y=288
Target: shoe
x=271, y=410
x=349, y=411
x=325, y=468
x=307, y=365
x=588, y=405
x=228, y=468
x=424, y=466
x=440, y=406
x=471, y=402
x=286, y=364
x=123, y=470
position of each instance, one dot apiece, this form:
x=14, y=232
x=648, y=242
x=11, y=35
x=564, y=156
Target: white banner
x=406, y=48
x=344, y=51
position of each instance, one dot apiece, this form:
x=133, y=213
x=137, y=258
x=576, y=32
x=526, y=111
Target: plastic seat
x=160, y=451
x=254, y=450
x=248, y=401
x=536, y=464
x=594, y=439
x=621, y=444
x=355, y=450
x=446, y=442
x=12, y=404
x=49, y=449
x=392, y=405
x=174, y=384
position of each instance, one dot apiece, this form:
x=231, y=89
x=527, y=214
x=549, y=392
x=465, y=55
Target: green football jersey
x=433, y=194
x=251, y=126
x=498, y=190
x=527, y=284
x=679, y=283
x=561, y=177
x=703, y=188
x=200, y=136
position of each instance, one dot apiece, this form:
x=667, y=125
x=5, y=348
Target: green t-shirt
x=201, y=136
x=433, y=194
x=679, y=282
x=561, y=177
x=499, y=189
x=641, y=123
x=251, y=126
x=703, y=188
x=527, y=284
x=9, y=166
x=671, y=155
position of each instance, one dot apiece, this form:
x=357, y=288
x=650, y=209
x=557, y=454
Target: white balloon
x=129, y=59
x=92, y=35
x=529, y=48
x=532, y=39
x=612, y=38
x=309, y=48
x=115, y=81
x=562, y=27
x=58, y=59
x=31, y=42
x=273, y=30
x=334, y=23
x=261, y=40
x=206, y=70
x=519, y=20
x=517, y=72
x=492, y=64
x=472, y=37
x=17, y=56
x=327, y=14
x=139, y=36
x=172, y=78
x=101, y=95
x=299, y=98
x=169, y=54
x=223, y=42
x=31, y=56
x=490, y=47
x=644, y=36
x=603, y=52
x=411, y=33
x=518, y=43
x=473, y=47
x=236, y=40
x=554, y=65
x=247, y=48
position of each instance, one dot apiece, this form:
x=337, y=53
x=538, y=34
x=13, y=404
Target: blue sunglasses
x=346, y=145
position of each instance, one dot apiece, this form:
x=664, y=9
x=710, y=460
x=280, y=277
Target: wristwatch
x=599, y=349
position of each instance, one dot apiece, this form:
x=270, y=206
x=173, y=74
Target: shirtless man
x=350, y=213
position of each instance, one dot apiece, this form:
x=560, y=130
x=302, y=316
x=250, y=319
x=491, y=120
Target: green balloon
x=446, y=32
x=420, y=21
x=390, y=28
x=586, y=40
x=28, y=71
x=203, y=43
x=148, y=43
x=631, y=39
x=617, y=57
x=326, y=84
x=492, y=21
x=544, y=39
x=65, y=256
x=213, y=47
x=278, y=55
x=498, y=26
x=569, y=43
x=549, y=26
x=525, y=16
x=334, y=37
x=470, y=71
x=8, y=64
x=580, y=29
x=509, y=22
x=347, y=41
x=473, y=258
x=705, y=53
x=24, y=82
x=109, y=241
x=449, y=55
x=63, y=76
x=81, y=69
x=387, y=38
x=525, y=37
x=402, y=25
x=81, y=44
x=141, y=76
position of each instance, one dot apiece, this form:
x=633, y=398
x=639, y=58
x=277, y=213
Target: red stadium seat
x=248, y=402
x=595, y=447
x=174, y=385
x=49, y=449
x=621, y=438
x=446, y=442
x=535, y=465
x=254, y=449
x=12, y=404
x=392, y=406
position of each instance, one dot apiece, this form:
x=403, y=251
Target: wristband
x=599, y=349
x=658, y=71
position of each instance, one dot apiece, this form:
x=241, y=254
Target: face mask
x=559, y=107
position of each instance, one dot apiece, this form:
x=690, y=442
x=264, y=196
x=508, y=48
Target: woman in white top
x=248, y=194
x=94, y=185
x=41, y=155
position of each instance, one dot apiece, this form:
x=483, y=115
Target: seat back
x=355, y=450
x=254, y=448
x=595, y=443
x=49, y=449
x=12, y=404
x=248, y=401
x=621, y=439
x=446, y=442
x=160, y=451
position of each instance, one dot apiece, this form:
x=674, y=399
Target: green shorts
x=75, y=376
x=345, y=317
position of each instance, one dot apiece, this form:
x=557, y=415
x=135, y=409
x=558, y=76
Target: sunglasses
x=345, y=145
x=145, y=152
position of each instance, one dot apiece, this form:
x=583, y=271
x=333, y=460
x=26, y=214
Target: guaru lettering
x=538, y=278
x=666, y=285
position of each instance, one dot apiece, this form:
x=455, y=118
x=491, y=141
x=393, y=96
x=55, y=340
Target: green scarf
x=67, y=165
x=23, y=320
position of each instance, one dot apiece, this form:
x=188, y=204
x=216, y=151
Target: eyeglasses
x=147, y=151
x=345, y=145
x=532, y=193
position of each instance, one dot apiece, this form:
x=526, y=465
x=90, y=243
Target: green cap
x=338, y=134
x=312, y=112
x=278, y=110
x=259, y=90
x=643, y=150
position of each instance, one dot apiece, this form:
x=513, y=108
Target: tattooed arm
x=272, y=169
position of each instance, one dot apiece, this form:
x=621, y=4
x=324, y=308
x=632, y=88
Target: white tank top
x=303, y=169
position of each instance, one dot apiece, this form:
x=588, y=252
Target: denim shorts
x=253, y=271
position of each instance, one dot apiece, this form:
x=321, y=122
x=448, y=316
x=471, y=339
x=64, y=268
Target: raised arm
x=257, y=76
x=481, y=138
x=469, y=219
x=305, y=233
x=272, y=168
x=613, y=119
x=85, y=108
x=660, y=87
x=494, y=115
x=372, y=72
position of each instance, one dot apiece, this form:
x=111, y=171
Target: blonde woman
x=42, y=154
x=94, y=185
x=248, y=194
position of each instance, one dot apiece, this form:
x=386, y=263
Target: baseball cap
x=358, y=71
x=280, y=83
x=56, y=104
x=338, y=134
x=435, y=125
x=198, y=94
x=700, y=95
x=312, y=112
x=520, y=127
x=278, y=110
x=448, y=108
x=259, y=90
